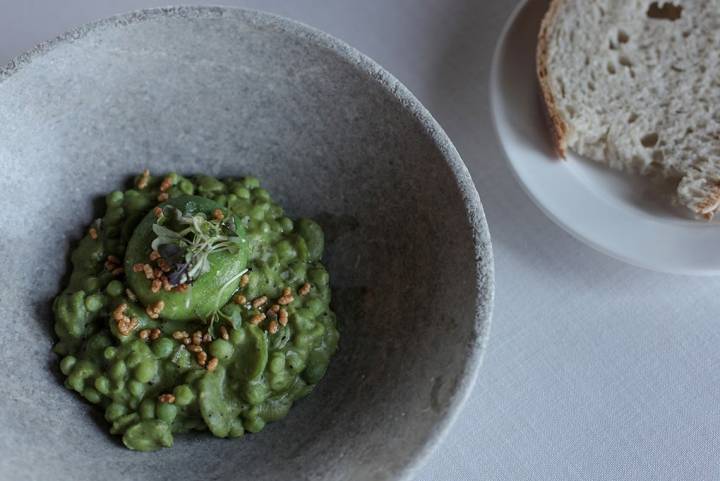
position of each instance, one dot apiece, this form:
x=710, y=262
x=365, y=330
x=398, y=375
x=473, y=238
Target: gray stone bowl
x=333, y=136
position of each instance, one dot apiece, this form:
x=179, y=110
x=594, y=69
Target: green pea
x=91, y=395
x=145, y=371
x=136, y=388
x=165, y=412
x=94, y=302
x=186, y=187
x=115, y=411
x=133, y=359
x=221, y=349
x=319, y=276
x=302, y=340
x=84, y=369
x=136, y=202
x=114, y=215
x=237, y=336
x=148, y=435
x=295, y=361
x=236, y=429
x=277, y=362
x=102, y=384
x=163, y=347
x=147, y=409
x=254, y=425
x=265, y=228
x=241, y=192
x=91, y=284
x=262, y=194
x=258, y=211
x=221, y=199
x=76, y=382
x=209, y=185
x=67, y=364
x=314, y=238
x=231, y=198
x=251, y=182
x=114, y=199
x=115, y=288
x=109, y=353
x=183, y=395
x=315, y=306
x=118, y=371
x=285, y=250
x=286, y=224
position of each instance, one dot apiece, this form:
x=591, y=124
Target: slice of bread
x=636, y=84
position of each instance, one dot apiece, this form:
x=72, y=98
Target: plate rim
x=494, y=90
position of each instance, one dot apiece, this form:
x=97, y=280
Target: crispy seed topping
x=283, y=318
x=194, y=348
x=201, y=358
x=144, y=334
x=212, y=364
x=166, y=398
x=207, y=338
x=149, y=274
x=177, y=335
x=259, y=301
x=92, y=232
x=165, y=184
x=257, y=319
x=157, y=212
x=304, y=289
x=285, y=300
x=142, y=181
x=156, y=285
x=163, y=197
x=119, y=311
x=154, y=255
x=273, y=327
x=197, y=338
x=154, y=310
x=224, y=333
x=239, y=299
x=127, y=324
x=163, y=265
x=117, y=271
x=244, y=280
x=155, y=334
x=138, y=267
x=218, y=214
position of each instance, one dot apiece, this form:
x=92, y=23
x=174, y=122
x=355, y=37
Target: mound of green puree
x=195, y=304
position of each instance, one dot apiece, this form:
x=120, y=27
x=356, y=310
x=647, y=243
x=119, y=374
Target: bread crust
x=558, y=127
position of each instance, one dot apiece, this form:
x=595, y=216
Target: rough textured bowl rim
x=483, y=260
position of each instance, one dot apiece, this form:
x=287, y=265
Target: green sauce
x=227, y=351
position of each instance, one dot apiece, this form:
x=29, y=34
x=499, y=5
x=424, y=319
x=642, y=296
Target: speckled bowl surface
x=332, y=136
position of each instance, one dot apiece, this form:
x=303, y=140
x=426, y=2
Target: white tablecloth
x=595, y=369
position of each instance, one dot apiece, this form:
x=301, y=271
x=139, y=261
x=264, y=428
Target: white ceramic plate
x=627, y=217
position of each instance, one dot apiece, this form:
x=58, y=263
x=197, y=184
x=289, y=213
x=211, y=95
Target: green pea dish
x=194, y=303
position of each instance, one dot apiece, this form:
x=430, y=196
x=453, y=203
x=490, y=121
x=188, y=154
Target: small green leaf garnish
x=186, y=241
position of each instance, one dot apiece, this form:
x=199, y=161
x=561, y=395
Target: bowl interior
x=230, y=92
